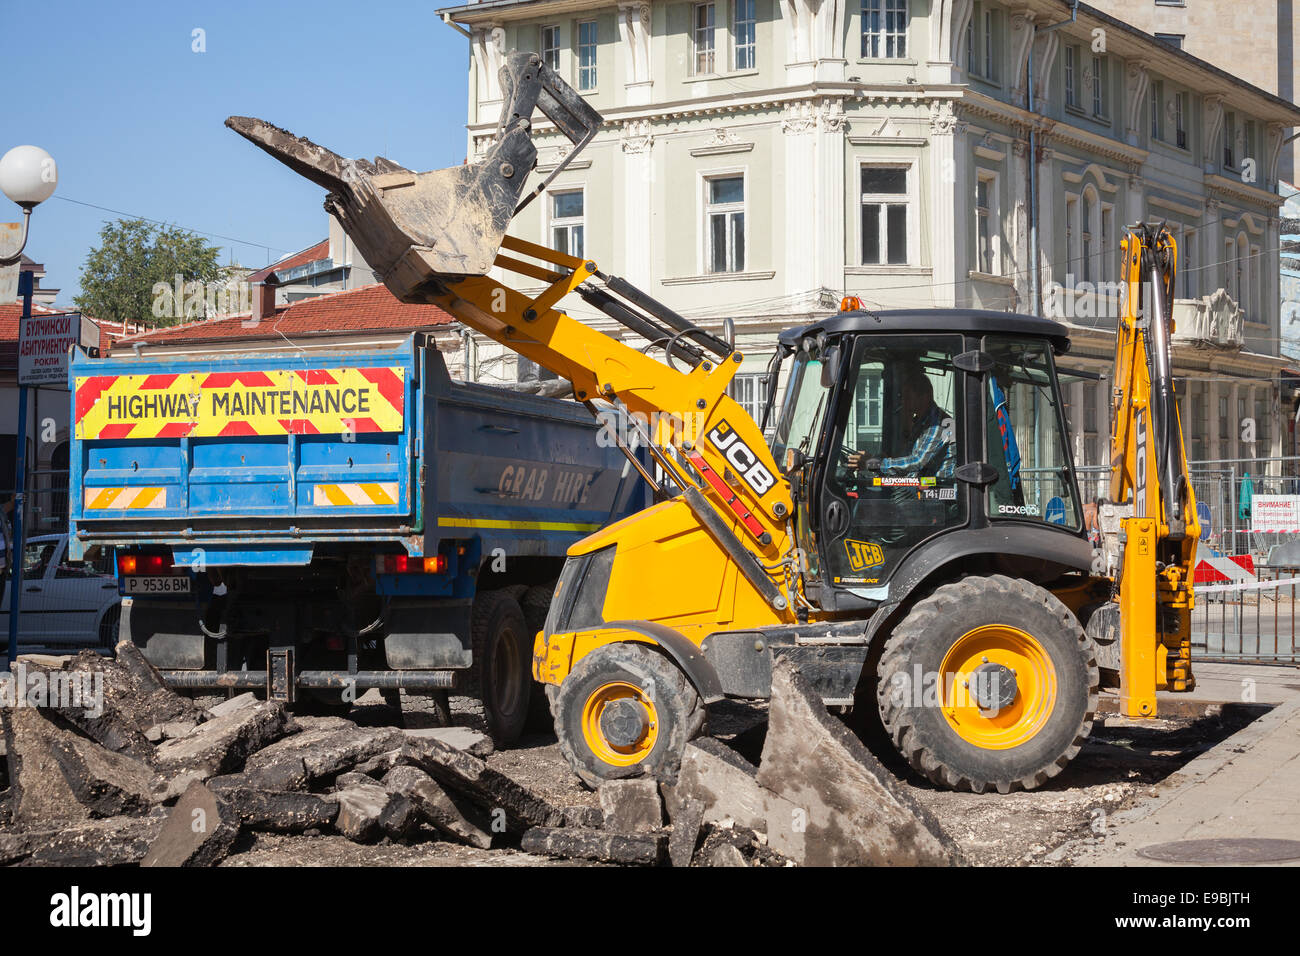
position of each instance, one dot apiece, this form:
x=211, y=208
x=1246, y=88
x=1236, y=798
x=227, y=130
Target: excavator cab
x=909, y=427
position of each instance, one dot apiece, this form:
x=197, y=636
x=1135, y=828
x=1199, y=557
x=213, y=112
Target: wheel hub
x=623, y=723
x=993, y=686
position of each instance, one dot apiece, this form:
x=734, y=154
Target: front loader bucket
x=417, y=229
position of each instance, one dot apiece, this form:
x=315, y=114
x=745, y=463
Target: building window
x=750, y=392
x=1085, y=248
x=884, y=215
x=884, y=29
x=1180, y=123
x=1071, y=216
x=744, y=25
x=702, y=31
x=1157, y=120
x=1229, y=140
x=1223, y=417
x=970, y=45
x=986, y=224
x=989, y=72
x=1175, y=40
x=567, y=221
x=587, y=55
x=551, y=47
x=1186, y=274
x=1071, y=81
x=724, y=221
x=1098, y=86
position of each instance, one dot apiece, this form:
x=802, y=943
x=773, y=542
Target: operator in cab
x=926, y=425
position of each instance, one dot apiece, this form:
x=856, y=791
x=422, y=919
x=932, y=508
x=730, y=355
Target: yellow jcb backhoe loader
x=912, y=537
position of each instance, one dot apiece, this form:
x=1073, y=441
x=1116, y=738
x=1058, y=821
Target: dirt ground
x=1122, y=761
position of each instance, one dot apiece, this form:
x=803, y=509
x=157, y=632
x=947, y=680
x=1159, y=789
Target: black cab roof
x=971, y=321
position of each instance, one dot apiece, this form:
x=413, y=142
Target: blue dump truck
x=314, y=524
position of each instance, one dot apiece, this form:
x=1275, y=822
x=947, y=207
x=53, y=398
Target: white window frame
x=710, y=209
x=1180, y=119
x=877, y=37
x=753, y=383
x=1157, y=116
x=990, y=214
x=906, y=198
x=990, y=64
x=1071, y=235
x=702, y=34
x=1098, y=86
x=550, y=52
x=554, y=222
x=736, y=45
x=588, y=76
x=1072, y=77
x=1230, y=158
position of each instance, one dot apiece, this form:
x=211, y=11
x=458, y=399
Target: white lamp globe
x=28, y=175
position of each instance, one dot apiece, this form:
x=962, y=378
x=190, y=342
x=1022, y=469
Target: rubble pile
x=148, y=777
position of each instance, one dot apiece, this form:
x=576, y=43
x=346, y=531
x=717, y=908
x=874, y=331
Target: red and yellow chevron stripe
x=124, y=499
x=366, y=494
x=206, y=404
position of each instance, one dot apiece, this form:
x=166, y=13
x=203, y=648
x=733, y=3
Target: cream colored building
x=1255, y=41
x=762, y=159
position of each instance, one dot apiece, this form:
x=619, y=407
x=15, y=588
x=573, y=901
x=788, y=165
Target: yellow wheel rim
x=620, y=723
x=1003, y=667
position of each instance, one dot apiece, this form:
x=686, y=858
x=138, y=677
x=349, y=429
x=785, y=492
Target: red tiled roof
x=312, y=253
x=371, y=308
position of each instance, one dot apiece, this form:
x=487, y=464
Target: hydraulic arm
x=433, y=236
x=1157, y=550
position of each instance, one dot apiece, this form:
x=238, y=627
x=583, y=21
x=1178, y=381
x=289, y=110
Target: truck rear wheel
x=626, y=711
x=989, y=682
x=536, y=603
x=501, y=675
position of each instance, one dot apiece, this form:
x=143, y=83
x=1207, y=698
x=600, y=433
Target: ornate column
x=799, y=126
x=638, y=196
x=489, y=56
x=1136, y=83
x=1019, y=219
x=951, y=202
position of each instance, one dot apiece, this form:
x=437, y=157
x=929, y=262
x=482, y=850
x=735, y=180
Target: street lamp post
x=28, y=176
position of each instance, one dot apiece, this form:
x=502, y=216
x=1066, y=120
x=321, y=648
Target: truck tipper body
x=314, y=524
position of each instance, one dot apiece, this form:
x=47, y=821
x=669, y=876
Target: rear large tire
x=626, y=711
x=501, y=673
x=988, y=683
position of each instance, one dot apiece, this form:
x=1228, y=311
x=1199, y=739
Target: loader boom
x=433, y=236
x=1149, y=466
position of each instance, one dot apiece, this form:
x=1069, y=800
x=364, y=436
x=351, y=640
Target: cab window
x=894, y=452
x=1026, y=437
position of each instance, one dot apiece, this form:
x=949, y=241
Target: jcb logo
x=863, y=554
x=742, y=458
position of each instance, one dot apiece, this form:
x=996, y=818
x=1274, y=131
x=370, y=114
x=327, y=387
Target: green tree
x=123, y=277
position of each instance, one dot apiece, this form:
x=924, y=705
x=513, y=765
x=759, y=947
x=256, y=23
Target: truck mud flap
x=428, y=635
x=167, y=633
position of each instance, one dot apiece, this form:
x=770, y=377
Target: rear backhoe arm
x=1149, y=467
x=433, y=237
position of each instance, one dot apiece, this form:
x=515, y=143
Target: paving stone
x=58, y=774
x=856, y=812
x=632, y=806
x=600, y=845
x=199, y=831
x=436, y=806
x=223, y=744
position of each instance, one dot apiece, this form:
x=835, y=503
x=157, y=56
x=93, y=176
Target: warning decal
x=208, y=404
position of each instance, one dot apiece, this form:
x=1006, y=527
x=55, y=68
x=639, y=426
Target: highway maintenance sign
x=207, y=404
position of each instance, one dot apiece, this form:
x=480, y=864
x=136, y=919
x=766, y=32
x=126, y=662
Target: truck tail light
x=144, y=563
x=404, y=564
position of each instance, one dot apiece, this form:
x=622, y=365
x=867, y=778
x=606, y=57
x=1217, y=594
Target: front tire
x=990, y=682
x=626, y=711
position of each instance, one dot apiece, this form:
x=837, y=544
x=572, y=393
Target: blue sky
x=134, y=117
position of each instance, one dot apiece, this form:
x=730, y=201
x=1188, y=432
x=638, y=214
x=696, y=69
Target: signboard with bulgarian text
x=208, y=404
x=43, y=343
x=1275, y=513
